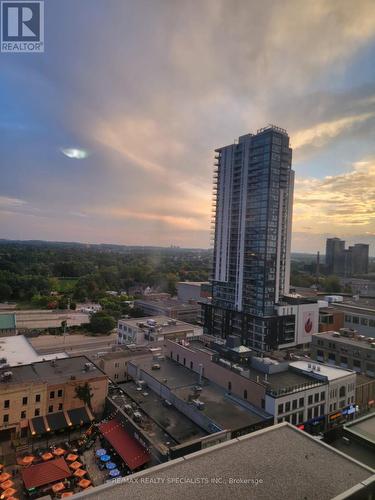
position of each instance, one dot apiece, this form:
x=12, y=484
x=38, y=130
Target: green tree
x=102, y=323
x=5, y=292
x=83, y=393
x=332, y=284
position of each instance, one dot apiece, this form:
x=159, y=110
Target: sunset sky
x=108, y=136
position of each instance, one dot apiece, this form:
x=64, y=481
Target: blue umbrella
x=110, y=465
x=101, y=452
x=105, y=458
x=114, y=473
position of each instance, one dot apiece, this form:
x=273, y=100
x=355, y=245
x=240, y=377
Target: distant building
x=115, y=364
x=41, y=397
x=330, y=319
x=142, y=331
x=172, y=308
x=17, y=350
x=359, y=315
x=346, y=262
x=8, y=325
x=193, y=290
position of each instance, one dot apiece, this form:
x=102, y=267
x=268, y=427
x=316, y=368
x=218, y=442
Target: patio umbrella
x=1, y=466
x=58, y=487
x=8, y=493
x=105, y=458
x=6, y=484
x=114, y=473
x=100, y=452
x=27, y=460
x=58, y=452
x=71, y=457
x=80, y=473
x=12, y=498
x=4, y=477
x=84, y=483
x=47, y=456
x=110, y=465
x=75, y=465
x=66, y=494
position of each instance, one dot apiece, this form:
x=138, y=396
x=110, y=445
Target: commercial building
x=300, y=392
x=193, y=290
x=346, y=349
x=358, y=315
x=42, y=397
x=115, y=364
x=346, y=262
x=278, y=462
x=8, y=325
x=142, y=331
x=172, y=308
x=253, y=201
x=330, y=319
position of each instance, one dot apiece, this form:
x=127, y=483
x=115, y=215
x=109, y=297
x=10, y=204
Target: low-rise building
x=115, y=364
x=193, y=290
x=346, y=349
x=48, y=395
x=8, y=325
x=330, y=319
x=300, y=392
x=17, y=350
x=359, y=315
x=142, y=331
x=173, y=308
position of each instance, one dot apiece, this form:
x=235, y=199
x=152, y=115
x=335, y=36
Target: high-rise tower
x=253, y=202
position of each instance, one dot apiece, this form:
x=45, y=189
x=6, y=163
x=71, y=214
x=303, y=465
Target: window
x=60, y=406
x=6, y=419
x=343, y=360
x=184, y=361
x=294, y=404
x=50, y=409
x=300, y=417
x=280, y=409
x=342, y=391
x=59, y=393
x=309, y=413
x=322, y=396
x=191, y=365
x=279, y=420
x=245, y=394
x=301, y=402
x=37, y=412
x=37, y=398
x=6, y=403
x=355, y=320
x=342, y=403
x=316, y=397
x=356, y=363
x=52, y=394
x=287, y=406
x=316, y=411
x=24, y=400
x=294, y=418
x=116, y=376
x=286, y=419
x=322, y=409
x=331, y=356
x=310, y=399
x=23, y=414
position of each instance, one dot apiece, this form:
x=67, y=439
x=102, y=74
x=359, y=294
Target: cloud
x=338, y=203
x=11, y=202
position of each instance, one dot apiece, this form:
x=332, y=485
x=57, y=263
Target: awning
x=56, y=421
x=80, y=416
x=129, y=449
x=45, y=473
x=37, y=425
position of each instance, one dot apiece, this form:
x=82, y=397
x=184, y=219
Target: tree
x=332, y=284
x=5, y=292
x=83, y=393
x=102, y=323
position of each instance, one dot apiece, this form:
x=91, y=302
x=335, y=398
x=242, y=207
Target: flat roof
x=166, y=303
x=330, y=372
x=363, y=427
x=167, y=325
x=17, y=350
x=277, y=462
x=125, y=353
x=356, y=306
x=360, y=344
x=7, y=321
x=53, y=372
x=225, y=412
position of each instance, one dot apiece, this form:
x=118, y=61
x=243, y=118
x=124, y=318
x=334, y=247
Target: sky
x=109, y=135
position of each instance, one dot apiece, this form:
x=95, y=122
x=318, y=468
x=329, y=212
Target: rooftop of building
x=193, y=283
x=7, y=321
x=364, y=428
x=126, y=353
x=359, y=341
x=277, y=462
x=17, y=350
x=54, y=371
x=166, y=303
x=218, y=407
x=166, y=324
x=361, y=304
x=328, y=372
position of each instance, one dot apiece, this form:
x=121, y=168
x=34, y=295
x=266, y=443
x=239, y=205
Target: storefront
x=315, y=425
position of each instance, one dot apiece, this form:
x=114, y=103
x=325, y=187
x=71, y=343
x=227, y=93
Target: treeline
x=30, y=272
